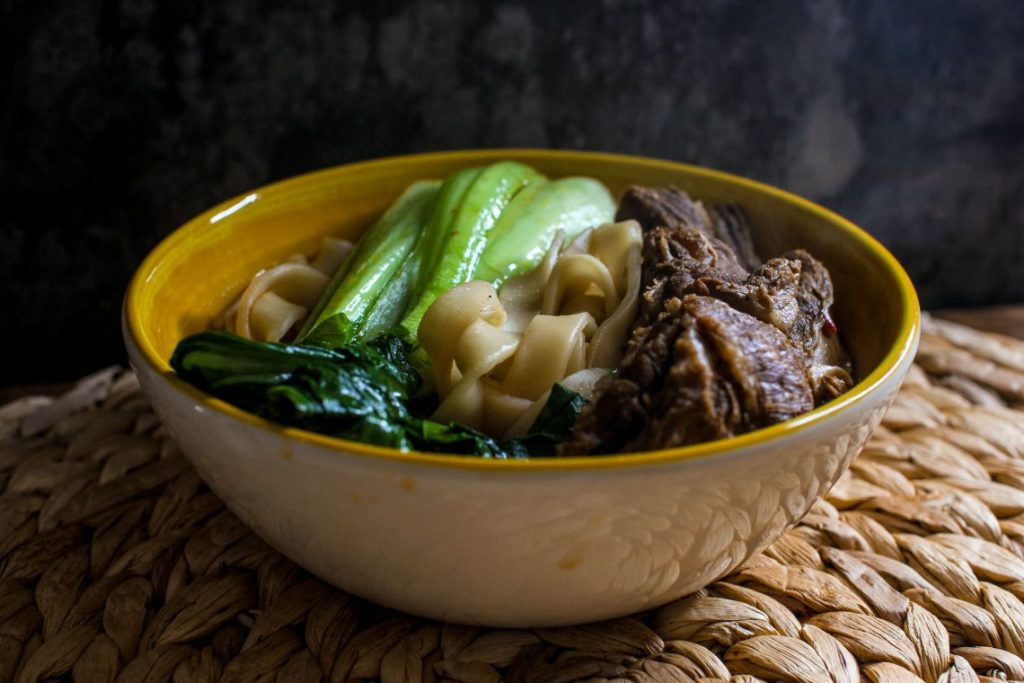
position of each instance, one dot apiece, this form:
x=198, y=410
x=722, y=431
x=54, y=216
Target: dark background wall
x=120, y=119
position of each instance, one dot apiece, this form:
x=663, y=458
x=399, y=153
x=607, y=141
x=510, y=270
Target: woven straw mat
x=118, y=564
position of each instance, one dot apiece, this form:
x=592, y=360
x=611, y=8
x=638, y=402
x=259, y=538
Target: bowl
x=538, y=542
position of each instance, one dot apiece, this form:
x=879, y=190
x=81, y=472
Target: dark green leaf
x=426, y=435
x=360, y=392
x=332, y=332
x=553, y=423
x=318, y=389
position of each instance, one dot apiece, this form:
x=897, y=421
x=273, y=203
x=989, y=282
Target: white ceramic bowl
x=509, y=543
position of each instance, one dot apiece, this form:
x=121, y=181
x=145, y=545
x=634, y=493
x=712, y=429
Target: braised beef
x=731, y=227
x=794, y=294
x=669, y=207
x=675, y=259
x=691, y=249
x=769, y=293
x=733, y=373
x=716, y=350
x=702, y=371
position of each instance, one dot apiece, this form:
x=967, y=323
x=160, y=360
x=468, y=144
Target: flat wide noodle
x=575, y=275
x=496, y=358
x=297, y=283
x=522, y=296
x=463, y=404
x=502, y=410
x=445, y=323
x=278, y=299
x=619, y=245
x=552, y=348
x=331, y=255
x=270, y=317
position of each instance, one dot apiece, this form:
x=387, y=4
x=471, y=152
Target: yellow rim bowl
x=201, y=267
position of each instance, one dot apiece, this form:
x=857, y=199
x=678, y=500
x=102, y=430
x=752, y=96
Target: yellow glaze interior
x=197, y=271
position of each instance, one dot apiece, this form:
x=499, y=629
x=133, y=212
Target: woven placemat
x=117, y=563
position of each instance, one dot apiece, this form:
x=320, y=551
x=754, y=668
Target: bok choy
x=363, y=279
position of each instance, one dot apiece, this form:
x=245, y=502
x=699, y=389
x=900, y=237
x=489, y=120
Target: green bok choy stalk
x=395, y=299
x=363, y=279
x=471, y=202
x=523, y=234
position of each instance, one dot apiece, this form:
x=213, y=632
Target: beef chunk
x=733, y=373
x=668, y=251
x=674, y=260
x=766, y=367
x=828, y=365
x=716, y=350
x=672, y=208
x=696, y=403
x=769, y=293
x=665, y=207
x=793, y=293
x=814, y=299
x=621, y=411
x=703, y=371
x=731, y=227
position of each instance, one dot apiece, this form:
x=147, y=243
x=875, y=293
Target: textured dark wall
x=122, y=118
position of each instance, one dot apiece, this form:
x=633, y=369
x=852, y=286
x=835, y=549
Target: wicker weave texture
x=118, y=564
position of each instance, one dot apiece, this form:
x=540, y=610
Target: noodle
x=278, y=299
x=495, y=358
